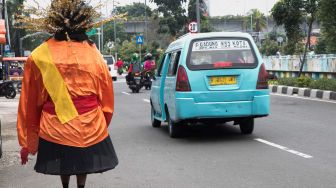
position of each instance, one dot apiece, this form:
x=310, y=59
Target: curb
x=304, y=92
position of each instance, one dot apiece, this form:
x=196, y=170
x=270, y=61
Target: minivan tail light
x=115, y=67
x=262, y=78
x=182, y=80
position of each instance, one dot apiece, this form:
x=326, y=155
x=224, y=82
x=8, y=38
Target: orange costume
x=44, y=108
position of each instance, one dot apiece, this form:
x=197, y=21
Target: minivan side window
x=174, y=61
x=159, y=71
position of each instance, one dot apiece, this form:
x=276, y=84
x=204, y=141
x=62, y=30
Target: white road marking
x=125, y=93
x=304, y=98
x=146, y=100
x=284, y=148
x=119, y=81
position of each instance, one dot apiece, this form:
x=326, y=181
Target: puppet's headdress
x=61, y=16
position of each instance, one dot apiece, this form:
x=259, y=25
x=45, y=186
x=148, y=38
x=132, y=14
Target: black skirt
x=56, y=159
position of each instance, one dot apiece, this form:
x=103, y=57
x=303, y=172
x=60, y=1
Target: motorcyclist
x=135, y=67
x=149, y=65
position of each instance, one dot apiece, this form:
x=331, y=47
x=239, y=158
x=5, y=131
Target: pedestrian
x=67, y=99
x=120, y=65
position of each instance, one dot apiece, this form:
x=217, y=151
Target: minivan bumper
x=187, y=108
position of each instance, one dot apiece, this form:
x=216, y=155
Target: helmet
x=148, y=56
x=135, y=57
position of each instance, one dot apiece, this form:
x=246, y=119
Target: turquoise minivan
x=210, y=77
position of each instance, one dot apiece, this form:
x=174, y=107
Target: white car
x=109, y=59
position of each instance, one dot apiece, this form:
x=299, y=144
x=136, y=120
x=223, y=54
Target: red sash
x=83, y=104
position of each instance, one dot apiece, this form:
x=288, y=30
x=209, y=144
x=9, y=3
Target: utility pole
x=198, y=16
x=251, y=22
x=99, y=39
x=146, y=35
x=102, y=30
x=115, y=33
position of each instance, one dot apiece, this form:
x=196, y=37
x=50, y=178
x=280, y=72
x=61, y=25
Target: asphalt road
x=293, y=147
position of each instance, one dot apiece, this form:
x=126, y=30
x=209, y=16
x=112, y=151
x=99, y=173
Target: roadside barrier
x=304, y=92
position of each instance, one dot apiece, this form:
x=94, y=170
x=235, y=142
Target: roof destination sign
x=221, y=45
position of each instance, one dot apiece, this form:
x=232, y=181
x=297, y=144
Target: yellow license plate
x=223, y=80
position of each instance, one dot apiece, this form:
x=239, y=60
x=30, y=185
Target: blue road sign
x=7, y=48
x=139, y=39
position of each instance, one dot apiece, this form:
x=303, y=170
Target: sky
x=217, y=7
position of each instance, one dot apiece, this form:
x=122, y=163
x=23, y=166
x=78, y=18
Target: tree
x=173, y=16
x=269, y=47
x=259, y=21
x=135, y=10
x=327, y=16
x=15, y=33
x=289, y=13
x=310, y=8
x=205, y=25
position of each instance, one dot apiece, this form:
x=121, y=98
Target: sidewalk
x=10, y=146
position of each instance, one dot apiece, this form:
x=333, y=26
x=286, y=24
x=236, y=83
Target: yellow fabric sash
x=54, y=84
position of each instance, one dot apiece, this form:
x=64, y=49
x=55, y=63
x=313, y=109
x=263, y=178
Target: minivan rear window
x=220, y=53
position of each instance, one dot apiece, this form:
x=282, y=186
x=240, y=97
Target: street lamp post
x=99, y=35
x=198, y=16
x=146, y=35
x=115, y=34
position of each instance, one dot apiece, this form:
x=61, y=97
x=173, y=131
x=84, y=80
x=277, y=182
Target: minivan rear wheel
x=246, y=126
x=175, y=128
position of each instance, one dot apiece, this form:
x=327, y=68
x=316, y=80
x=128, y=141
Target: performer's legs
x=81, y=179
x=65, y=181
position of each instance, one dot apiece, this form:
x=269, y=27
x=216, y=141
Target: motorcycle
x=7, y=90
x=120, y=71
x=135, y=82
x=147, y=80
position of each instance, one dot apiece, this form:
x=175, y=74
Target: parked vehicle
x=7, y=90
x=112, y=67
x=210, y=77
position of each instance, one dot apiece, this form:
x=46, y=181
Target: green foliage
x=135, y=10
x=127, y=49
x=287, y=81
x=321, y=47
x=327, y=16
x=259, y=21
x=303, y=81
x=289, y=13
x=322, y=84
x=269, y=47
x=173, y=19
